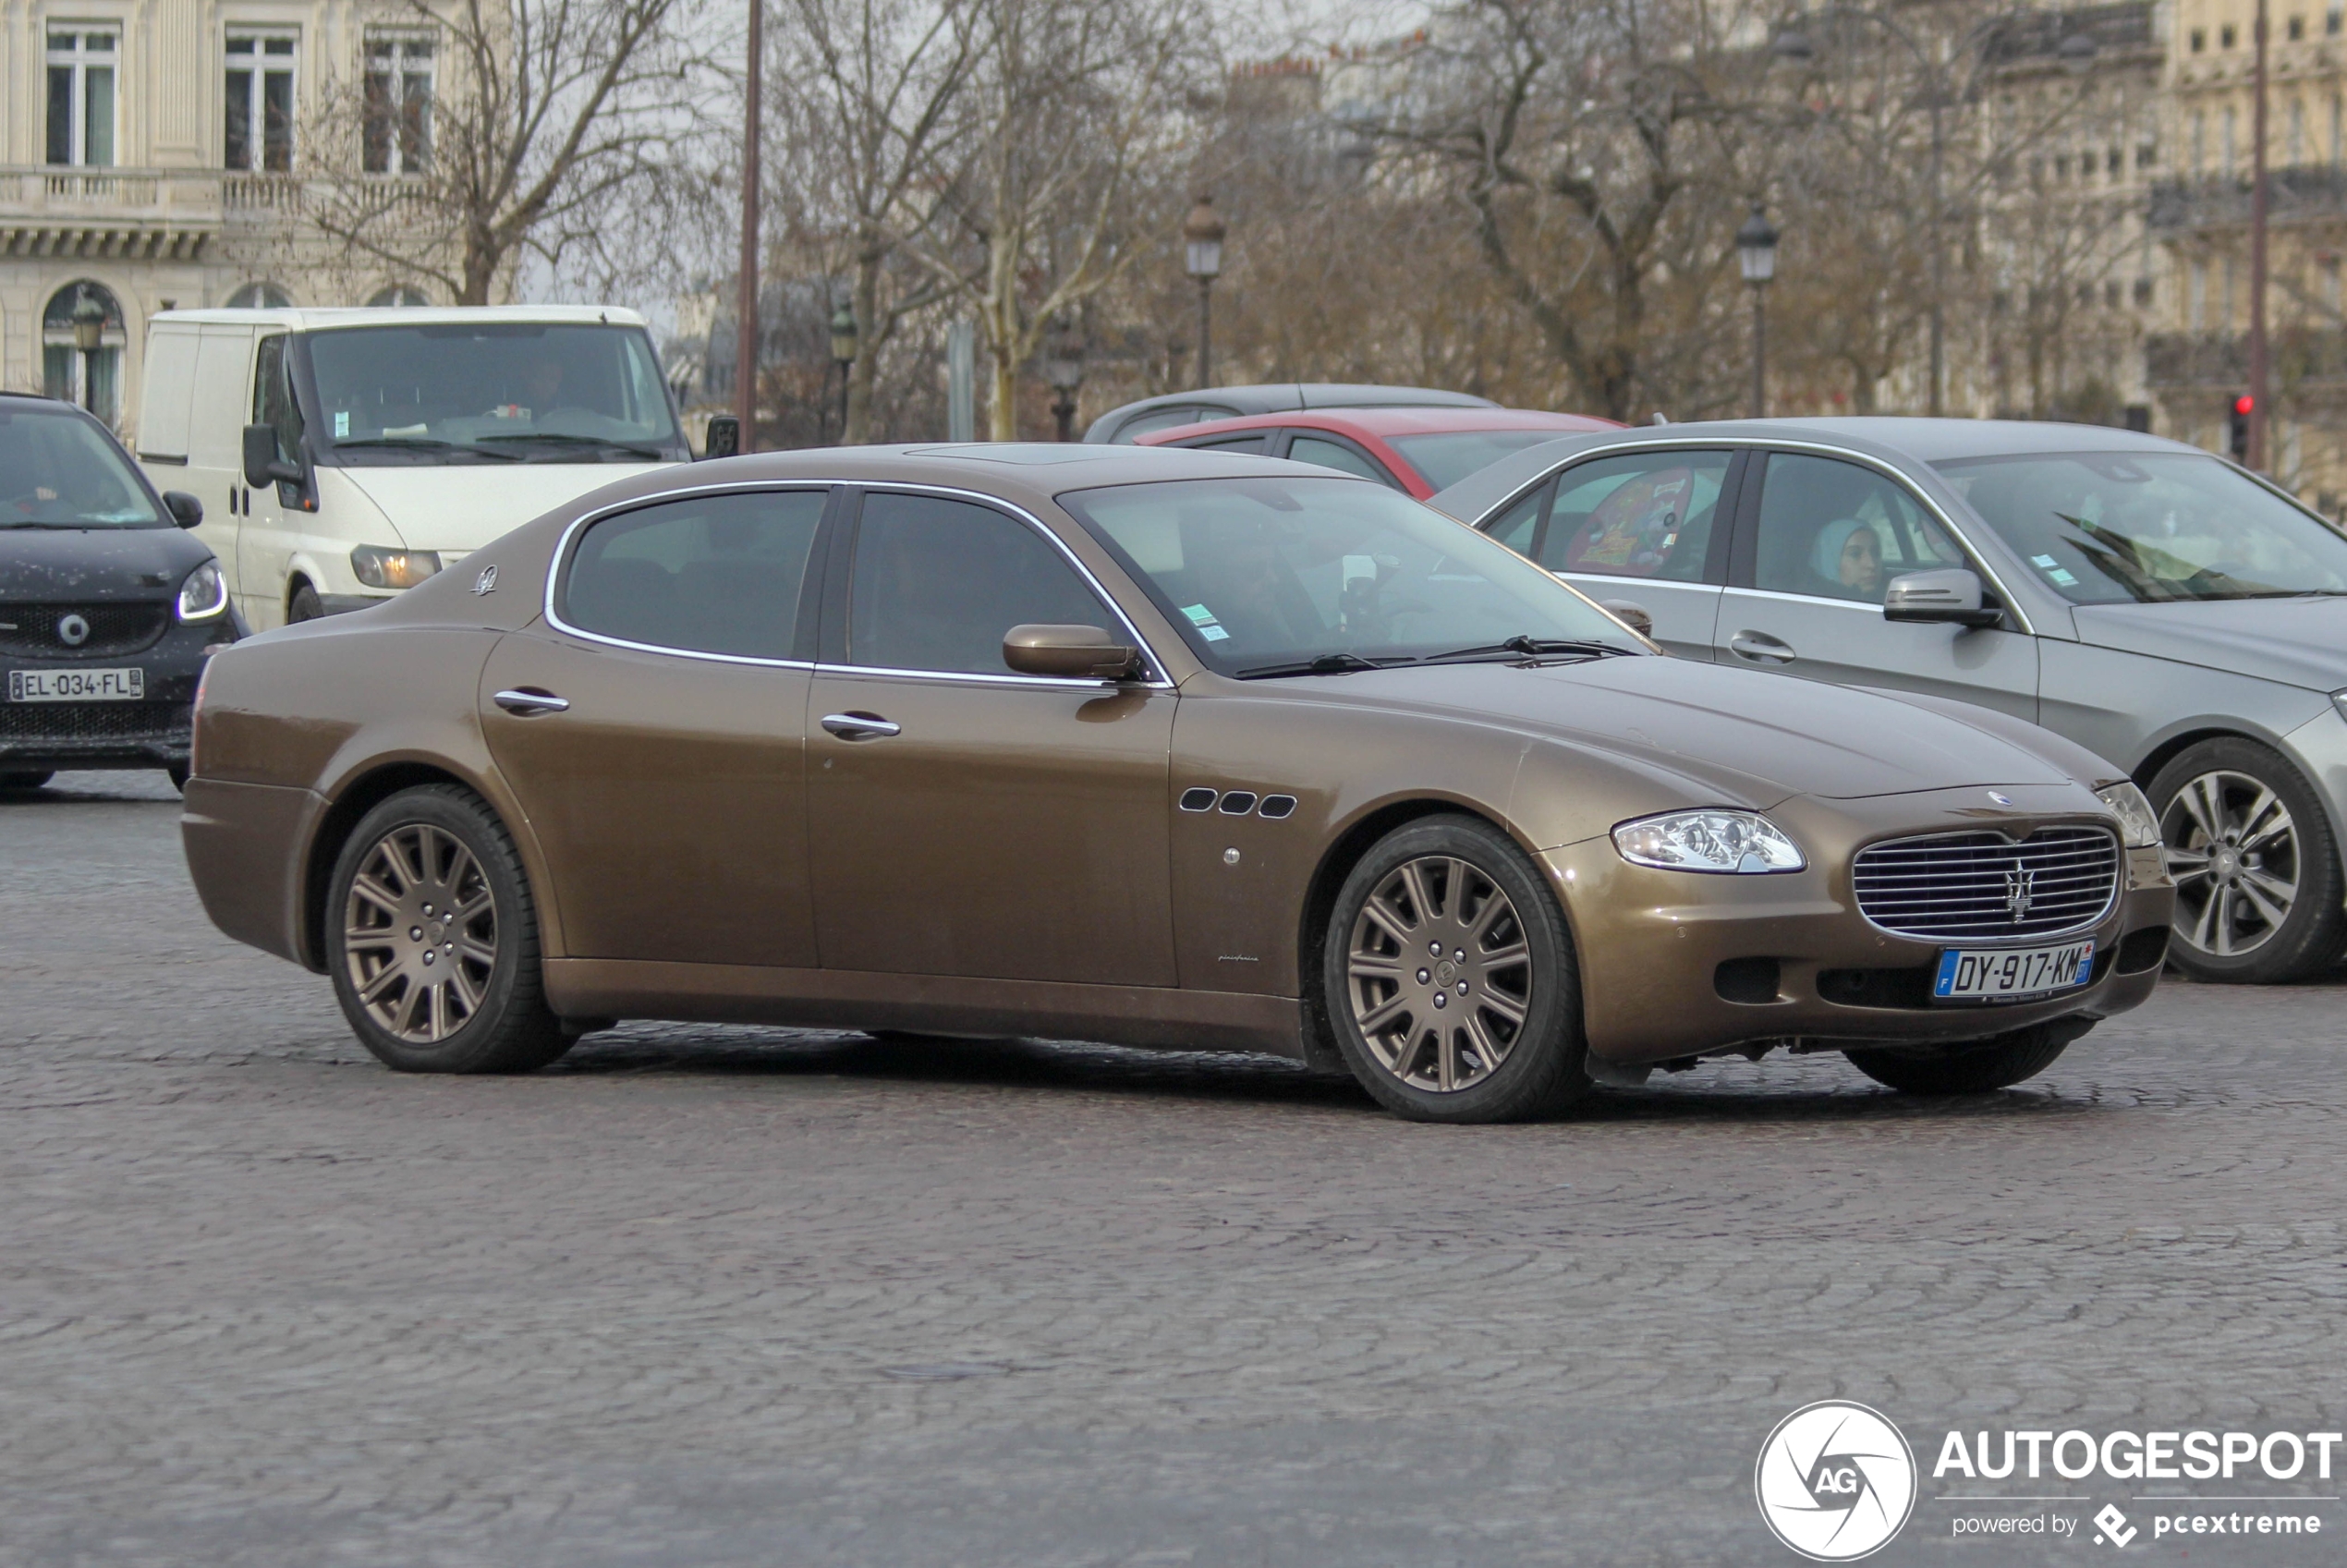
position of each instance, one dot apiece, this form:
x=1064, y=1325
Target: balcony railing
x=2302, y=355
x=2297, y=194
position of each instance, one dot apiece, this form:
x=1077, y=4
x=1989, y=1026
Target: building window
x=2142, y=292
x=399, y=93
x=260, y=100
x=2297, y=28
x=2334, y=20
x=2200, y=144
x=2225, y=36
x=2199, y=39
x=2330, y=285
x=81, y=95
x=2115, y=161
x=2228, y=149
x=2197, y=317
x=2147, y=155
x=94, y=380
x=2297, y=132
x=260, y=296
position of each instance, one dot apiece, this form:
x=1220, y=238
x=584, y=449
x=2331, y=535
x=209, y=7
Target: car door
x=216, y=452
x=1814, y=549
x=274, y=520
x=653, y=726
x=964, y=819
x=1646, y=526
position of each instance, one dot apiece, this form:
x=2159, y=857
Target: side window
x=1255, y=442
x=937, y=583
x=715, y=573
x=1518, y=526
x=1327, y=454
x=273, y=402
x=1840, y=530
x=1174, y=418
x=1643, y=515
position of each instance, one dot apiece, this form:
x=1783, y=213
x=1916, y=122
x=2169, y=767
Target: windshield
x=58, y=470
x=2103, y=528
x=1263, y=573
x=1447, y=459
x=490, y=392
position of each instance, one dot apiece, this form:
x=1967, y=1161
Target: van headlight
x=1708, y=840
x=379, y=567
x=2138, y=823
x=204, y=594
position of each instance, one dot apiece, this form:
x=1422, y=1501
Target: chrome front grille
x=1983, y=884
x=107, y=631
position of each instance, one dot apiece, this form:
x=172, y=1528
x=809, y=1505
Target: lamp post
x=843, y=356
x=2259, y=458
x=89, y=335
x=1756, y=254
x=745, y=324
x=1202, y=234
x=1063, y=368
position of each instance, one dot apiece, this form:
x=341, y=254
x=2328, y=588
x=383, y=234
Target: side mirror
x=263, y=467
x=725, y=437
x=1948, y=597
x=1630, y=613
x=1072, y=653
x=184, y=509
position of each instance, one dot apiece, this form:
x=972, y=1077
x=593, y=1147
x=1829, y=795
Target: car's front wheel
x=1997, y=1063
x=304, y=604
x=1450, y=978
x=24, y=779
x=2257, y=869
x=434, y=940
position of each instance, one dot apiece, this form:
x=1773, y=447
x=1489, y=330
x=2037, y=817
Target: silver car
x=2159, y=606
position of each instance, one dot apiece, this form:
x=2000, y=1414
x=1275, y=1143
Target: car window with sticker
x=1648, y=515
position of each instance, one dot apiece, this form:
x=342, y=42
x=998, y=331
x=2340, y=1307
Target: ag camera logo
x=1835, y=1481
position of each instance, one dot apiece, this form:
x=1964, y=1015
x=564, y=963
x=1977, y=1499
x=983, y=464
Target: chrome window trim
x=1055, y=682
x=2117, y=885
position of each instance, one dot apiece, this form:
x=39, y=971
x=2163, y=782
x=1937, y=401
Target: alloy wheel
x=1439, y=974
x=2232, y=849
x=419, y=933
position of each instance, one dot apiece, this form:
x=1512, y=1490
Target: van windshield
x=58, y=470
x=489, y=392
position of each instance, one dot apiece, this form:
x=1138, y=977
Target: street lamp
x=1063, y=368
x=843, y=356
x=89, y=319
x=1756, y=254
x=1203, y=234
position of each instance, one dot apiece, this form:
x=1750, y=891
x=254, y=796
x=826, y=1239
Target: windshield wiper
x=1326, y=664
x=425, y=444
x=638, y=448
x=1530, y=648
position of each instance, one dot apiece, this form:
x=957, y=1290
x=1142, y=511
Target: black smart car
x=107, y=609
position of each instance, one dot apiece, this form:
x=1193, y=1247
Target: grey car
x=2159, y=606
x=1129, y=422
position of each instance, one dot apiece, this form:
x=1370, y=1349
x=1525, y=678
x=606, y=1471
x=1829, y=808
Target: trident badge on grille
x=2021, y=888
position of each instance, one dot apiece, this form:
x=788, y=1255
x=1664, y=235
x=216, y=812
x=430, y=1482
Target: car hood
x=2300, y=642
x=459, y=507
x=1745, y=733
x=84, y=565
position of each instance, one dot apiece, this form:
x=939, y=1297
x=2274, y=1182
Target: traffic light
x=2243, y=406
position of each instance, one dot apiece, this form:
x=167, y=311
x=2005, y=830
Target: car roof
x=1270, y=397
x=1894, y=438
x=1392, y=421
x=1025, y=473
x=299, y=319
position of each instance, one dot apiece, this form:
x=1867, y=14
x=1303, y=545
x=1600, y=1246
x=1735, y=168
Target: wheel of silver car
x=2254, y=863
x=1449, y=976
x=435, y=950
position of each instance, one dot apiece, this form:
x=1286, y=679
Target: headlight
x=204, y=594
x=1708, y=840
x=379, y=567
x=2138, y=823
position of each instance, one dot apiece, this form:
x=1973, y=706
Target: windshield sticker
x=1198, y=614
x=342, y=424
x=1213, y=634
x=2054, y=570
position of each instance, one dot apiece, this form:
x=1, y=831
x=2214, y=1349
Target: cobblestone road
x=714, y=1296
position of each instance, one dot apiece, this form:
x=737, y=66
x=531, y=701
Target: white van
x=342, y=456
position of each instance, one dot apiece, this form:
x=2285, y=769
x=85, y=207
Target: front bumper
x=1676, y=965
x=156, y=733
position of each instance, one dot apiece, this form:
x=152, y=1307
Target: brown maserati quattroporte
x=1165, y=748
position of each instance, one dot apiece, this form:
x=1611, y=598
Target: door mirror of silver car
x=184, y=509
x=1948, y=597
x=263, y=467
x=1631, y=614
x=1072, y=653
x=725, y=437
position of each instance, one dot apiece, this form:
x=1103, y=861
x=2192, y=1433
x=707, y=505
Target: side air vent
x=1277, y=806
x=1199, y=799
x=1238, y=803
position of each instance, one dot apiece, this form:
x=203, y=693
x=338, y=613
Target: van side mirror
x=263, y=467
x=1951, y=596
x=725, y=437
x=1070, y=653
x=184, y=509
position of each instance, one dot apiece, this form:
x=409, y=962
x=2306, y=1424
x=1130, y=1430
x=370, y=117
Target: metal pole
x=745, y=304
x=1759, y=352
x=89, y=381
x=2258, y=368
x=1934, y=402
x=846, y=367
x=1205, y=328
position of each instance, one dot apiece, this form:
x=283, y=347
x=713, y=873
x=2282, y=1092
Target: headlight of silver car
x=1708, y=840
x=2139, y=825
x=379, y=567
x=204, y=594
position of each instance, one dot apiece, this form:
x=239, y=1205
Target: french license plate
x=2012, y=974
x=78, y=686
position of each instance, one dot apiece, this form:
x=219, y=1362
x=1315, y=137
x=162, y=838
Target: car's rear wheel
x=1997, y=1063
x=25, y=779
x=177, y=773
x=2257, y=869
x=1450, y=978
x=434, y=940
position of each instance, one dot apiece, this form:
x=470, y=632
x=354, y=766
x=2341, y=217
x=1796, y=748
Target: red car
x=1418, y=451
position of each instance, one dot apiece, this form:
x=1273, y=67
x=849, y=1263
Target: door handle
x=1761, y=647
x=525, y=701
x=860, y=727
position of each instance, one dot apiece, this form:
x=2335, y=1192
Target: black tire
x=506, y=1026
x=25, y=779
x=2218, y=780
x=1539, y=1062
x=177, y=773
x=305, y=605
x=1997, y=1063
